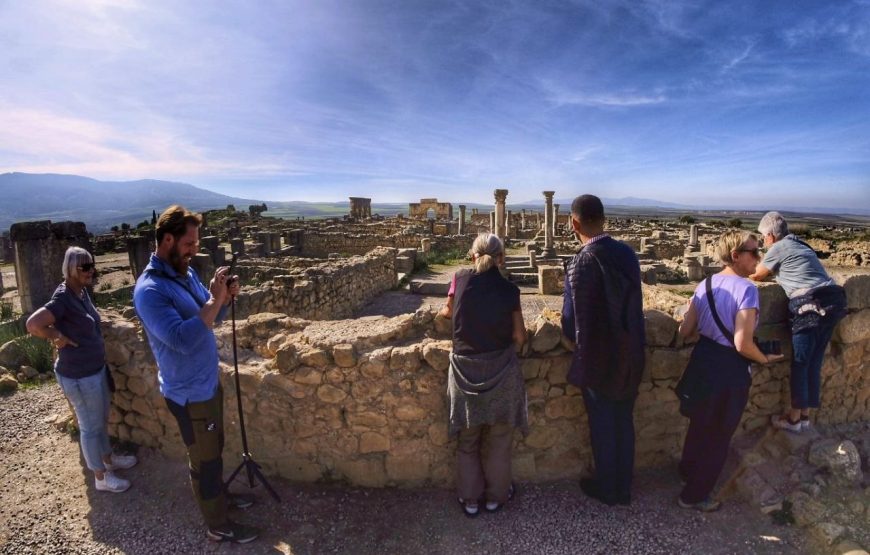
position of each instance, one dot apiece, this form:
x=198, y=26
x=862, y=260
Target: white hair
x=487, y=246
x=773, y=223
x=73, y=258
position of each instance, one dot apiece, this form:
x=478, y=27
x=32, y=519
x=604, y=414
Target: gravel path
x=46, y=506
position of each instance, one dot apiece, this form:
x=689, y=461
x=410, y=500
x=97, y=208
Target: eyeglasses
x=756, y=252
x=87, y=267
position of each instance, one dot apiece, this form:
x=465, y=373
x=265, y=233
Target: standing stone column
x=492, y=223
x=555, y=218
x=500, y=197
x=461, y=230
x=693, y=235
x=39, y=252
x=549, y=251
x=139, y=252
x=523, y=219
x=537, y=222
x=507, y=225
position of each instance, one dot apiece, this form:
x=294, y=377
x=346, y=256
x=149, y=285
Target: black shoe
x=239, y=500
x=233, y=532
x=591, y=489
x=624, y=500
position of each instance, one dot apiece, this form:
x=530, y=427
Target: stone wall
x=327, y=290
x=322, y=244
x=364, y=400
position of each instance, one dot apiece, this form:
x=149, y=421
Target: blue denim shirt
x=168, y=306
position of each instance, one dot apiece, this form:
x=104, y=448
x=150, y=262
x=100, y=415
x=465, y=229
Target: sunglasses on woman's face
x=87, y=267
x=756, y=252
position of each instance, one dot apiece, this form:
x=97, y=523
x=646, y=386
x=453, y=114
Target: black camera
x=230, y=278
x=769, y=347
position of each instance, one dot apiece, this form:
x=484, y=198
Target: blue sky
x=728, y=103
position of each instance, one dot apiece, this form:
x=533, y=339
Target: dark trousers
x=493, y=475
x=711, y=425
x=806, y=366
x=611, y=433
x=202, y=429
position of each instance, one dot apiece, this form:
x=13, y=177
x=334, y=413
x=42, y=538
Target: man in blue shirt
x=178, y=313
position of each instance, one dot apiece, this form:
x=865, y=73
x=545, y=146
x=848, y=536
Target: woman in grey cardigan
x=485, y=385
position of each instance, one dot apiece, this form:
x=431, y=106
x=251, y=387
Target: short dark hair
x=588, y=208
x=175, y=220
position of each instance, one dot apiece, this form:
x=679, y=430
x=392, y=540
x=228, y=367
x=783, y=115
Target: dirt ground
x=48, y=504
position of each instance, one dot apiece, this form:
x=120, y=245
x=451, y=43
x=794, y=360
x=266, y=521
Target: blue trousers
x=611, y=433
x=90, y=398
x=806, y=365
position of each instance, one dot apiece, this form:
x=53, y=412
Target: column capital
x=549, y=194
x=500, y=195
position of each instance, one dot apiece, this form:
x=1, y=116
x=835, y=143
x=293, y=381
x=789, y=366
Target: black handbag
x=712, y=366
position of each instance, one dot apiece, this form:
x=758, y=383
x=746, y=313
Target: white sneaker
x=122, y=462
x=805, y=423
x=112, y=483
x=783, y=423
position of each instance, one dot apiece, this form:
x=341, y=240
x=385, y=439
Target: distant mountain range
x=102, y=204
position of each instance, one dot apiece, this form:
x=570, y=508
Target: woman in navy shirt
x=485, y=384
x=71, y=322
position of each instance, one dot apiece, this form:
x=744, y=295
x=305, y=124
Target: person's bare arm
x=744, y=326
x=41, y=324
x=447, y=310
x=689, y=325
x=761, y=273
x=519, y=332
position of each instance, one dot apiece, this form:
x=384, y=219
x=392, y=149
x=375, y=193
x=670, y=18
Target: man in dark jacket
x=603, y=316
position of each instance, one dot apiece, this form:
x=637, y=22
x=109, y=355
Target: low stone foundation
x=364, y=400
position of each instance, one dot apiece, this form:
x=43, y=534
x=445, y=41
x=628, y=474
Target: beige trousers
x=491, y=476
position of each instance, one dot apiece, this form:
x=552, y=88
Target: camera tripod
x=252, y=469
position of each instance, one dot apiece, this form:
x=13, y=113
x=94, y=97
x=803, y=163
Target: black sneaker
x=239, y=500
x=233, y=532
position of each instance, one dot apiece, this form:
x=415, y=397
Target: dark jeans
x=711, y=425
x=202, y=429
x=806, y=365
x=611, y=433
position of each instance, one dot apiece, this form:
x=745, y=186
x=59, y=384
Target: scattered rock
x=840, y=457
x=8, y=383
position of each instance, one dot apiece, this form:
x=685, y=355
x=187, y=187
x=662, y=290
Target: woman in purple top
x=71, y=322
x=722, y=356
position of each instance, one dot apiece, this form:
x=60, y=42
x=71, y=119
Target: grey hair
x=74, y=257
x=773, y=223
x=487, y=246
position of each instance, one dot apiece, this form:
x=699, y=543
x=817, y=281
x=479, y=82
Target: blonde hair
x=731, y=241
x=486, y=248
x=73, y=258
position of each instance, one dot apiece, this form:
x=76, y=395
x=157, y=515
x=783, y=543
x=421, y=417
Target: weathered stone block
x=660, y=328
x=368, y=419
x=667, y=363
x=330, y=394
x=773, y=304
x=854, y=327
x=563, y=407
x=410, y=412
x=406, y=359
x=551, y=280
x=437, y=354
x=547, y=335
x=373, y=442
x=840, y=457
x=344, y=355
x=315, y=357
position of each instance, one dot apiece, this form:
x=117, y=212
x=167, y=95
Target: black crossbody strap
x=728, y=335
x=161, y=273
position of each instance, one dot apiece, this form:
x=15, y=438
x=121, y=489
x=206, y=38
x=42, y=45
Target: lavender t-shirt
x=731, y=294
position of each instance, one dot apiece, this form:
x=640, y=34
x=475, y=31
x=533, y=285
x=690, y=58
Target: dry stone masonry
x=363, y=400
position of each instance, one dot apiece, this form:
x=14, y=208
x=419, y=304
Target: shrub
x=687, y=219
x=735, y=222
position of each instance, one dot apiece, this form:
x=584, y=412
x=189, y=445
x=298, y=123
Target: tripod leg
x=266, y=484
x=234, y=474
